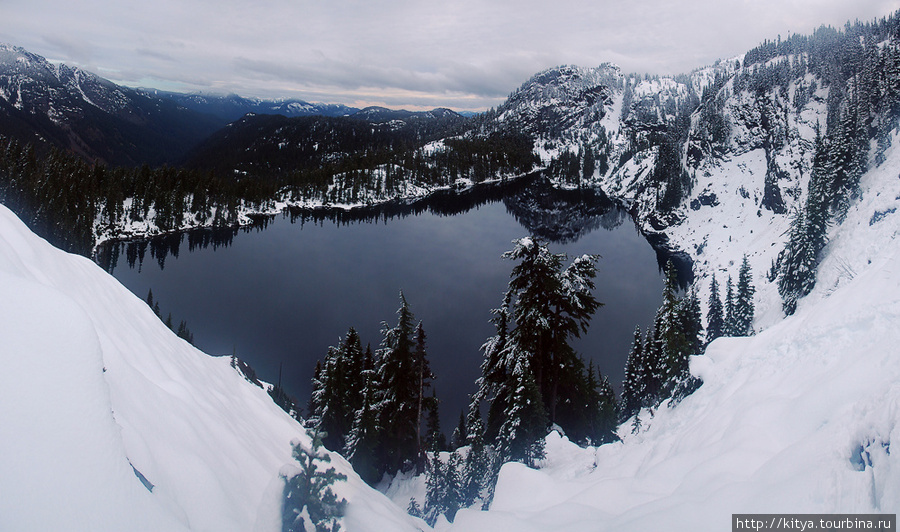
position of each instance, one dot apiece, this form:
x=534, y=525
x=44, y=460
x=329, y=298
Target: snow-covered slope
x=97, y=391
x=798, y=419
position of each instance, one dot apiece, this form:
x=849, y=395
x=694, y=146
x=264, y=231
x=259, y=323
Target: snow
x=782, y=424
x=797, y=419
x=95, y=384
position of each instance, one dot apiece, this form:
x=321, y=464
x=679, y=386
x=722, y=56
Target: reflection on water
x=285, y=288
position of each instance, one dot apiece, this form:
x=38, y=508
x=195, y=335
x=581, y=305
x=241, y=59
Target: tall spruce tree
x=730, y=313
x=744, y=306
x=492, y=385
x=545, y=306
x=715, y=318
x=398, y=392
x=552, y=306
x=633, y=387
x=364, y=440
x=435, y=441
x=423, y=377
x=474, y=477
x=691, y=319
x=521, y=436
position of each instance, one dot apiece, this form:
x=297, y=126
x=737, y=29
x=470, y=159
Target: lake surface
x=278, y=294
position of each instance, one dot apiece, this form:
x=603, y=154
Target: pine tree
x=608, y=415
x=552, y=306
x=330, y=414
x=492, y=385
x=308, y=494
x=458, y=438
x=691, y=320
x=654, y=374
x=715, y=319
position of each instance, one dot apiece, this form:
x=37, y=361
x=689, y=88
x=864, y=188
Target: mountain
x=380, y=115
x=72, y=109
x=232, y=107
x=561, y=99
x=743, y=158
x=272, y=145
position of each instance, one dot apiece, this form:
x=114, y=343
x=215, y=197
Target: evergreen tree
x=442, y=489
x=633, y=387
x=330, y=414
x=691, y=320
x=730, y=313
x=423, y=377
x=744, y=307
x=307, y=493
x=715, y=318
x=607, y=412
x=363, y=441
x=670, y=335
x=654, y=374
x=521, y=436
x=475, y=470
x=808, y=234
x=398, y=392
x=492, y=385
x=435, y=440
x=552, y=306
x=458, y=438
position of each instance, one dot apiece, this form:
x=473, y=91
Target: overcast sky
x=414, y=54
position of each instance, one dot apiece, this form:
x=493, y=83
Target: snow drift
x=798, y=419
x=111, y=422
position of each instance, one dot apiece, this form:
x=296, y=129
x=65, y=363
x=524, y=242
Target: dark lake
x=279, y=293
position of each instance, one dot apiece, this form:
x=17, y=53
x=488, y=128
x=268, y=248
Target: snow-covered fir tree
x=730, y=328
x=715, y=317
x=744, y=306
x=633, y=387
x=399, y=392
x=309, y=501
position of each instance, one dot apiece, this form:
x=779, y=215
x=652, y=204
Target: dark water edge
x=285, y=301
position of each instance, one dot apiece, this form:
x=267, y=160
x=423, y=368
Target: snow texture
x=111, y=422
x=798, y=419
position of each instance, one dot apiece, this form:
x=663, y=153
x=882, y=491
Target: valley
x=763, y=378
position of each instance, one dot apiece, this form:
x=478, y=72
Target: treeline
x=70, y=202
x=657, y=367
x=369, y=178
x=182, y=331
x=369, y=405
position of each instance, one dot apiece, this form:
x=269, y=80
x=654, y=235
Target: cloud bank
x=463, y=54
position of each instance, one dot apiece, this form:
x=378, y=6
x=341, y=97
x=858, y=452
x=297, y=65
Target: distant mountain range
x=47, y=104
x=230, y=108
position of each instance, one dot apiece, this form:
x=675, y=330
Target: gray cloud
x=467, y=54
